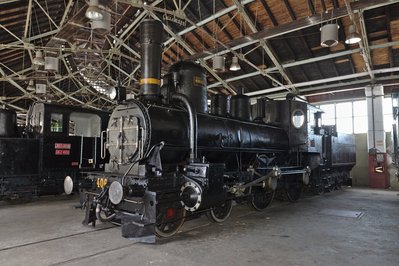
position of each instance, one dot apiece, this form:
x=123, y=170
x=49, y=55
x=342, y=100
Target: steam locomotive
x=57, y=141
x=171, y=160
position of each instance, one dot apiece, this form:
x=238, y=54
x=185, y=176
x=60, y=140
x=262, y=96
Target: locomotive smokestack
x=151, y=45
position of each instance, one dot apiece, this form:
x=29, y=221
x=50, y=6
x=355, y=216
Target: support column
x=376, y=143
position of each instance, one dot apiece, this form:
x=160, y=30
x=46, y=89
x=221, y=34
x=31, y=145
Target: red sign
x=62, y=152
x=75, y=164
x=65, y=146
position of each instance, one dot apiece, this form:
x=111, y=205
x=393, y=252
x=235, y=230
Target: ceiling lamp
x=102, y=26
x=235, y=66
x=353, y=36
x=41, y=88
x=329, y=35
x=31, y=86
x=94, y=12
x=51, y=63
x=38, y=60
x=218, y=63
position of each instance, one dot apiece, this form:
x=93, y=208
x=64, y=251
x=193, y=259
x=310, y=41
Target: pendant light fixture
x=38, y=60
x=353, y=36
x=31, y=86
x=235, y=66
x=329, y=35
x=94, y=12
x=218, y=63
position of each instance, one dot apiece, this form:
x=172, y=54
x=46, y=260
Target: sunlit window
x=387, y=111
x=329, y=114
x=359, y=117
x=344, y=117
x=351, y=117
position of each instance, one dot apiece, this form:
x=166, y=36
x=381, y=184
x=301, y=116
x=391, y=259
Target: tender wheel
x=169, y=220
x=221, y=213
x=260, y=198
x=293, y=192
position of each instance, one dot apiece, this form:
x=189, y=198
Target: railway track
x=54, y=238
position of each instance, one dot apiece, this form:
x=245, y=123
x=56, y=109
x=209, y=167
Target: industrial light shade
x=329, y=35
x=51, y=63
x=102, y=26
x=218, y=63
x=41, y=88
x=38, y=60
x=31, y=86
x=235, y=66
x=353, y=36
x=94, y=12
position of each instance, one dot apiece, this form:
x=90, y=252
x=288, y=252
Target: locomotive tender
x=170, y=160
x=57, y=141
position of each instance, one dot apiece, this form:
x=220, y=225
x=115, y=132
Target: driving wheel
x=260, y=198
x=169, y=220
x=221, y=213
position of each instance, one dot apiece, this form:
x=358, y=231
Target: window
x=84, y=124
x=388, y=117
x=351, y=117
x=298, y=118
x=360, y=117
x=56, y=122
x=344, y=117
x=328, y=118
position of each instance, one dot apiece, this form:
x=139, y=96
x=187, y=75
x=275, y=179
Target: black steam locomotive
x=57, y=141
x=171, y=160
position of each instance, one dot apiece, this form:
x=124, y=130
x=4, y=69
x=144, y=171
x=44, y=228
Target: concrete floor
x=317, y=230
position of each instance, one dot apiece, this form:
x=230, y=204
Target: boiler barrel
x=214, y=133
x=8, y=123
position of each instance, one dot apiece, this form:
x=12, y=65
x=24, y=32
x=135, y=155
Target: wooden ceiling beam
x=289, y=9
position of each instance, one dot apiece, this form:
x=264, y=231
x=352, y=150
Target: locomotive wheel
x=293, y=192
x=221, y=213
x=330, y=187
x=319, y=189
x=260, y=198
x=169, y=220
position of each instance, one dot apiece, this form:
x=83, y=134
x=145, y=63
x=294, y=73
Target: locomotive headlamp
x=68, y=185
x=115, y=192
x=112, y=93
x=117, y=93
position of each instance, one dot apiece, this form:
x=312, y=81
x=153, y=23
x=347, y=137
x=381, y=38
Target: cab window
x=56, y=122
x=84, y=124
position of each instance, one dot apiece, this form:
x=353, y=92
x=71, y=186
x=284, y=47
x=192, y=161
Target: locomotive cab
x=69, y=142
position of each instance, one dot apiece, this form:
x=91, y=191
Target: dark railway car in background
x=171, y=160
x=57, y=141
